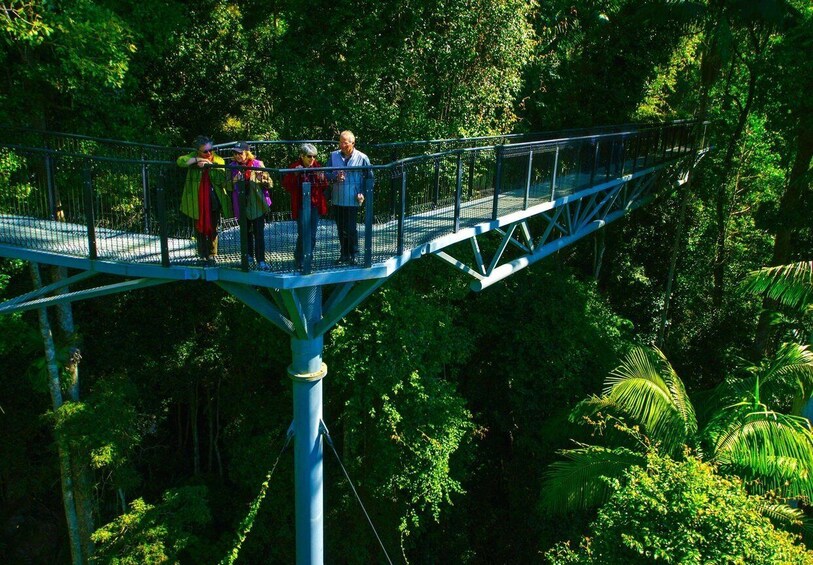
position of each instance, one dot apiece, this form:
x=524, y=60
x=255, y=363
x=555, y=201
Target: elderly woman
x=258, y=199
x=204, y=197
x=292, y=182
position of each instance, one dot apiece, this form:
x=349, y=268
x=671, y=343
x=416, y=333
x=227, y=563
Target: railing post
x=553, y=177
x=306, y=219
x=145, y=186
x=87, y=191
x=395, y=189
x=595, y=161
x=436, y=191
x=665, y=136
x=471, y=174
x=703, y=140
x=692, y=132
x=622, y=156
x=402, y=213
x=647, y=147
x=368, y=220
x=686, y=138
x=577, y=166
x=636, y=151
x=497, y=182
x=458, y=194
x=161, y=205
x=242, y=220
x=49, y=182
x=528, y=176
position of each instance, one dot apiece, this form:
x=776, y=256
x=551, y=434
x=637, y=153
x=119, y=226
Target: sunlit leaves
x=684, y=512
x=22, y=21
x=155, y=533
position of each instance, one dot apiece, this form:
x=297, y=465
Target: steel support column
x=307, y=371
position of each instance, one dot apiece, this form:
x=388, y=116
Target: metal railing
x=86, y=145
x=127, y=209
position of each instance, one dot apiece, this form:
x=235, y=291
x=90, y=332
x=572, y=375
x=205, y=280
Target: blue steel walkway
x=119, y=215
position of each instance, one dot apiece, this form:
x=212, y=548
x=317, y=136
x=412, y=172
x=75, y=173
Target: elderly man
x=348, y=193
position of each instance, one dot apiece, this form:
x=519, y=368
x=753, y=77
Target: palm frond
x=787, y=374
x=591, y=406
x=774, y=449
x=647, y=389
x=791, y=285
x=582, y=480
x=794, y=361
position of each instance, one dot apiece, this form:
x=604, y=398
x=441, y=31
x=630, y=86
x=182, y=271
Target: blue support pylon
x=307, y=371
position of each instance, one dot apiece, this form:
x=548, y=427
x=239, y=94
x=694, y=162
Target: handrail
x=606, y=129
x=88, y=138
x=127, y=209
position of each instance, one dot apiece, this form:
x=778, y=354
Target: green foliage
x=772, y=451
x=647, y=388
x=78, y=49
x=681, y=512
x=155, y=533
x=584, y=479
x=107, y=427
x=396, y=356
x=22, y=22
x=780, y=382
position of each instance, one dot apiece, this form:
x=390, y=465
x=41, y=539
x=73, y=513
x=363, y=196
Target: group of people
x=213, y=190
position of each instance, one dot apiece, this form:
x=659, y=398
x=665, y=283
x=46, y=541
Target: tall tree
x=55, y=387
x=790, y=81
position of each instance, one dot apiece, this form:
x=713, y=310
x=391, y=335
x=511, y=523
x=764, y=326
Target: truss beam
x=572, y=219
x=22, y=304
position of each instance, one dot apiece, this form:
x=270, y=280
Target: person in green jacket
x=205, y=198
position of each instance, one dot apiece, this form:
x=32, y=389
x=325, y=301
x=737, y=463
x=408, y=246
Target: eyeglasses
x=311, y=156
x=205, y=152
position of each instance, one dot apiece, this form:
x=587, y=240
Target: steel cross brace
x=34, y=299
x=284, y=307
x=570, y=221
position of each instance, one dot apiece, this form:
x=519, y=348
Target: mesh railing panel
x=128, y=209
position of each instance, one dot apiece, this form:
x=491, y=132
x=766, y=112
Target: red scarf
x=204, y=222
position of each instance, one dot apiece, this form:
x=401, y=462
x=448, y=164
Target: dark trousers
x=299, y=227
x=256, y=238
x=348, y=230
x=207, y=245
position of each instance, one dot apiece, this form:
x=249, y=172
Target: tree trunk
x=54, y=386
x=792, y=217
x=80, y=464
x=598, y=253
x=722, y=206
x=193, y=420
x=210, y=420
x=217, y=431
x=702, y=112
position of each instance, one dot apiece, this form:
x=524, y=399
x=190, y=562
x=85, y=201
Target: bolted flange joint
x=300, y=377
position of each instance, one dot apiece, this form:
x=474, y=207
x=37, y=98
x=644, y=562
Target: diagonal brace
x=340, y=308
x=116, y=288
x=266, y=308
x=60, y=284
